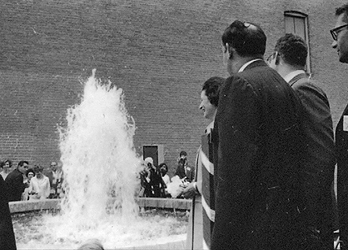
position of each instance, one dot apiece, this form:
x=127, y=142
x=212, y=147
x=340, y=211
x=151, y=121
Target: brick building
x=158, y=51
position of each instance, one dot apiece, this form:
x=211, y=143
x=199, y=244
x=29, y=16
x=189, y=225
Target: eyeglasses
x=334, y=32
x=275, y=54
x=270, y=57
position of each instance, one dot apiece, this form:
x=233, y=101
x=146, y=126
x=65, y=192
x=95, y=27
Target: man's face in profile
x=341, y=45
x=23, y=168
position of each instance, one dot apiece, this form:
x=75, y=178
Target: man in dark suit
x=7, y=238
x=340, y=43
x=184, y=170
x=289, y=60
x=259, y=201
x=14, y=182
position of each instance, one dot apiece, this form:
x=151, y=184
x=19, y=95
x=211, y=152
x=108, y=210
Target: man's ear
x=277, y=58
x=230, y=51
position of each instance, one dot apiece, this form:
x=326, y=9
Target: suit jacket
x=189, y=173
x=259, y=202
x=7, y=238
x=342, y=176
x=15, y=185
x=319, y=161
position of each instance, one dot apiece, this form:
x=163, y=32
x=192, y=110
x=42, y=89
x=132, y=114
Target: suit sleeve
x=15, y=186
x=313, y=100
x=237, y=121
x=316, y=106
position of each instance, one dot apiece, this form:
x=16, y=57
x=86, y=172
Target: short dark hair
x=21, y=163
x=212, y=89
x=292, y=49
x=245, y=39
x=342, y=9
x=183, y=153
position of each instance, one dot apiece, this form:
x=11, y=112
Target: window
x=297, y=23
x=156, y=152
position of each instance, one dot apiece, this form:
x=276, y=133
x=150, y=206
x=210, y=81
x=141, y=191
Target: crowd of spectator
x=24, y=182
x=155, y=181
x=32, y=183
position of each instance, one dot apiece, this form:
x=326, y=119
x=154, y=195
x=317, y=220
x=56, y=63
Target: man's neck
x=240, y=61
x=286, y=69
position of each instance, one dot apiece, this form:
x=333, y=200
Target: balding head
x=246, y=38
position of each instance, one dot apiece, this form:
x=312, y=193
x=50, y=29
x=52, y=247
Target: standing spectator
x=40, y=185
x=182, y=155
x=184, y=171
x=29, y=175
x=340, y=43
x=152, y=181
x=7, y=166
x=209, y=105
x=2, y=172
x=14, y=181
x=164, y=170
x=259, y=202
x=145, y=173
x=165, y=177
x=7, y=237
x=289, y=60
x=180, y=169
x=55, y=175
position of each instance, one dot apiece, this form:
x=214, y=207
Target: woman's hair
x=9, y=162
x=212, y=89
x=29, y=171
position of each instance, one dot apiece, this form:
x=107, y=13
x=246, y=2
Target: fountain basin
x=169, y=242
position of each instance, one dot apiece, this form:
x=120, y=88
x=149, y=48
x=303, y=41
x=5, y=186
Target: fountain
x=100, y=171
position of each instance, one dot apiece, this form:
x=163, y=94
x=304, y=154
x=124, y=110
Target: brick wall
x=159, y=52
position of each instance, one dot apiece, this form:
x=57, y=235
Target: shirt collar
x=209, y=127
x=246, y=64
x=292, y=74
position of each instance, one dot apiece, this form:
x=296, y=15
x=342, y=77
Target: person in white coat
x=40, y=185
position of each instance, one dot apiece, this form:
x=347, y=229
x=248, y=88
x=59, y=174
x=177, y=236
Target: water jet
x=100, y=169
